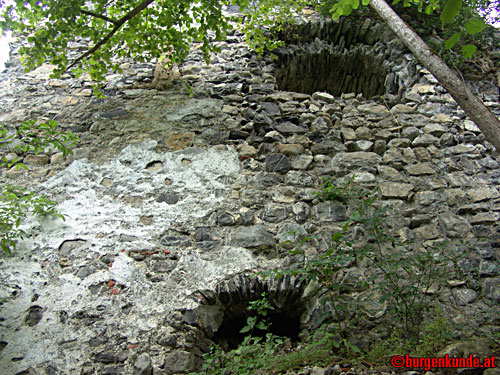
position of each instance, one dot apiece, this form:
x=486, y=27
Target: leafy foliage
x=148, y=29
x=15, y=202
x=253, y=352
x=35, y=137
x=141, y=29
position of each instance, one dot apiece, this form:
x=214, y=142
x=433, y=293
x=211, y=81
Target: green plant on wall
x=256, y=349
x=407, y=277
x=15, y=202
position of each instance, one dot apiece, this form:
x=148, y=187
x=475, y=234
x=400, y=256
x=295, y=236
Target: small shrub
x=408, y=278
x=253, y=353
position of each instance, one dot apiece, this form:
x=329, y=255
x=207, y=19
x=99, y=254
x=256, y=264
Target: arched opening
x=334, y=57
x=227, y=308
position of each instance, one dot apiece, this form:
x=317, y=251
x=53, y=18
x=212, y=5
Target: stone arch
x=222, y=312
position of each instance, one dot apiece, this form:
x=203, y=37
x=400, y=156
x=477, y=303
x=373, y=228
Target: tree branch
x=89, y=13
x=118, y=24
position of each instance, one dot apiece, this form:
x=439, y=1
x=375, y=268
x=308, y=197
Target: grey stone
x=271, y=108
x=277, y=163
x=411, y=132
x=435, y=129
x=419, y=219
x=320, y=124
x=424, y=140
x=226, y=219
x=301, y=162
x=489, y=268
x=379, y=146
x=67, y=247
x=256, y=236
x=348, y=134
x=485, y=218
x=395, y=190
x=464, y=349
x=491, y=288
x=169, y=198
x=401, y=108
x=345, y=161
x=290, y=235
x=301, y=212
x=377, y=111
x=362, y=177
x=143, y=365
x=454, y=226
x=330, y=211
x=463, y=296
x=390, y=173
x=327, y=148
x=364, y=133
x=320, y=371
x=274, y=213
x=202, y=234
x=247, y=217
x=290, y=128
x=34, y=315
x=180, y=361
x=480, y=194
x=114, y=113
x=489, y=163
x=399, y=142
x=291, y=149
x=264, y=180
x=427, y=232
x=106, y=357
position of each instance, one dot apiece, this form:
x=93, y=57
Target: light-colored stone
x=420, y=169
x=401, y=108
x=179, y=140
x=291, y=149
x=423, y=88
x=395, y=190
x=483, y=193
x=246, y=151
x=36, y=160
x=323, y=96
x=435, y=129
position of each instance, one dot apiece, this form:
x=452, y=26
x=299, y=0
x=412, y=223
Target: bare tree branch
x=118, y=24
x=89, y=13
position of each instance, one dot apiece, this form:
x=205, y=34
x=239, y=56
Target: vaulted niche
x=224, y=312
x=335, y=57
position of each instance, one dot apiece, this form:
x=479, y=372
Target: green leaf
x=450, y=43
x=262, y=326
x=365, y=2
x=450, y=11
x=474, y=26
x=245, y=329
x=468, y=50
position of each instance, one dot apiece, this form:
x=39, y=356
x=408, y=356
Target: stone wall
x=172, y=201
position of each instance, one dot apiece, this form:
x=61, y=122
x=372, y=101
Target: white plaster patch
x=78, y=308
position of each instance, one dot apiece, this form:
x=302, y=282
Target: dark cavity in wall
x=335, y=57
x=225, y=310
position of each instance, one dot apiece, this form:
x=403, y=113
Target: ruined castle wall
x=170, y=195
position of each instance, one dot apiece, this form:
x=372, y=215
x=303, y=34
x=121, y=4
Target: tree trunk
x=458, y=89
